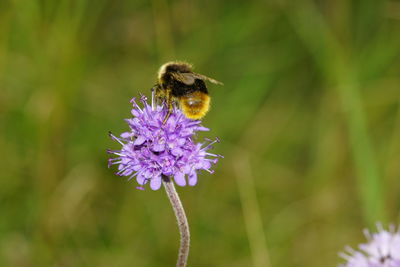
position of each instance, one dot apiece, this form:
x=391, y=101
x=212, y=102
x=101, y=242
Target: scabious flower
x=151, y=149
x=382, y=250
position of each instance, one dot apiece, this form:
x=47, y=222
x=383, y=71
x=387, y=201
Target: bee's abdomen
x=195, y=105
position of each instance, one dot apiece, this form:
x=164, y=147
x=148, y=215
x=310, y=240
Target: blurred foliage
x=309, y=120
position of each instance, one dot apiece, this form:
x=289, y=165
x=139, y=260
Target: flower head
x=151, y=149
x=382, y=250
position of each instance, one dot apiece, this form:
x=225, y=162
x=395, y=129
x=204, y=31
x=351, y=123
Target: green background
x=309, y=122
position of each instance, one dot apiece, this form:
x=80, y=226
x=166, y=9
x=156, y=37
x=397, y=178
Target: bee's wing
x=186, y=77
x=203, y=77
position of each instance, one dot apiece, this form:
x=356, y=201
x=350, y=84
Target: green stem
x=181, y=220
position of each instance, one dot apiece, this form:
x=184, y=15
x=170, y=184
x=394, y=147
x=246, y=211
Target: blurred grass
x=330, y=55
x=310, y=103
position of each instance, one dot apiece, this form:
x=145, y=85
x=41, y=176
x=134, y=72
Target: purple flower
x=382, y=250
x=151, y=149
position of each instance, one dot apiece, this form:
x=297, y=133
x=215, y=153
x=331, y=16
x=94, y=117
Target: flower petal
x=159, y=147
x=177, y=151
x=192, y=178
x=180, y=179
x=201, y=128
x=181, y=141
x=135, y=112
x=141, y=179
x=139, y=140
x=155, y=183
x=127, y=135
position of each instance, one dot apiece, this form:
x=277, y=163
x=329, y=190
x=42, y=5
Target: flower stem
x=181, y=220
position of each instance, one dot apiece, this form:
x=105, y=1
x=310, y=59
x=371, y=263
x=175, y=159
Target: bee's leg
x=168, y=103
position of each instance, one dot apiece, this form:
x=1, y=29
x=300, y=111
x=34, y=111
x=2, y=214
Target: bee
x=177, y=83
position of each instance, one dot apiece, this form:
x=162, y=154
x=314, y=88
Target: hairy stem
x=181, y=220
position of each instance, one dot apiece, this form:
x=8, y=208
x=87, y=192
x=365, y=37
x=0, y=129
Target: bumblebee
x=177, y=83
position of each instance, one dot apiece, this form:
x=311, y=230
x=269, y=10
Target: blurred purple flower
x=382, y=250
x=151, y=149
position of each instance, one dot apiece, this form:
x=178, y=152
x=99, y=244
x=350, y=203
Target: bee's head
x=174, y=67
